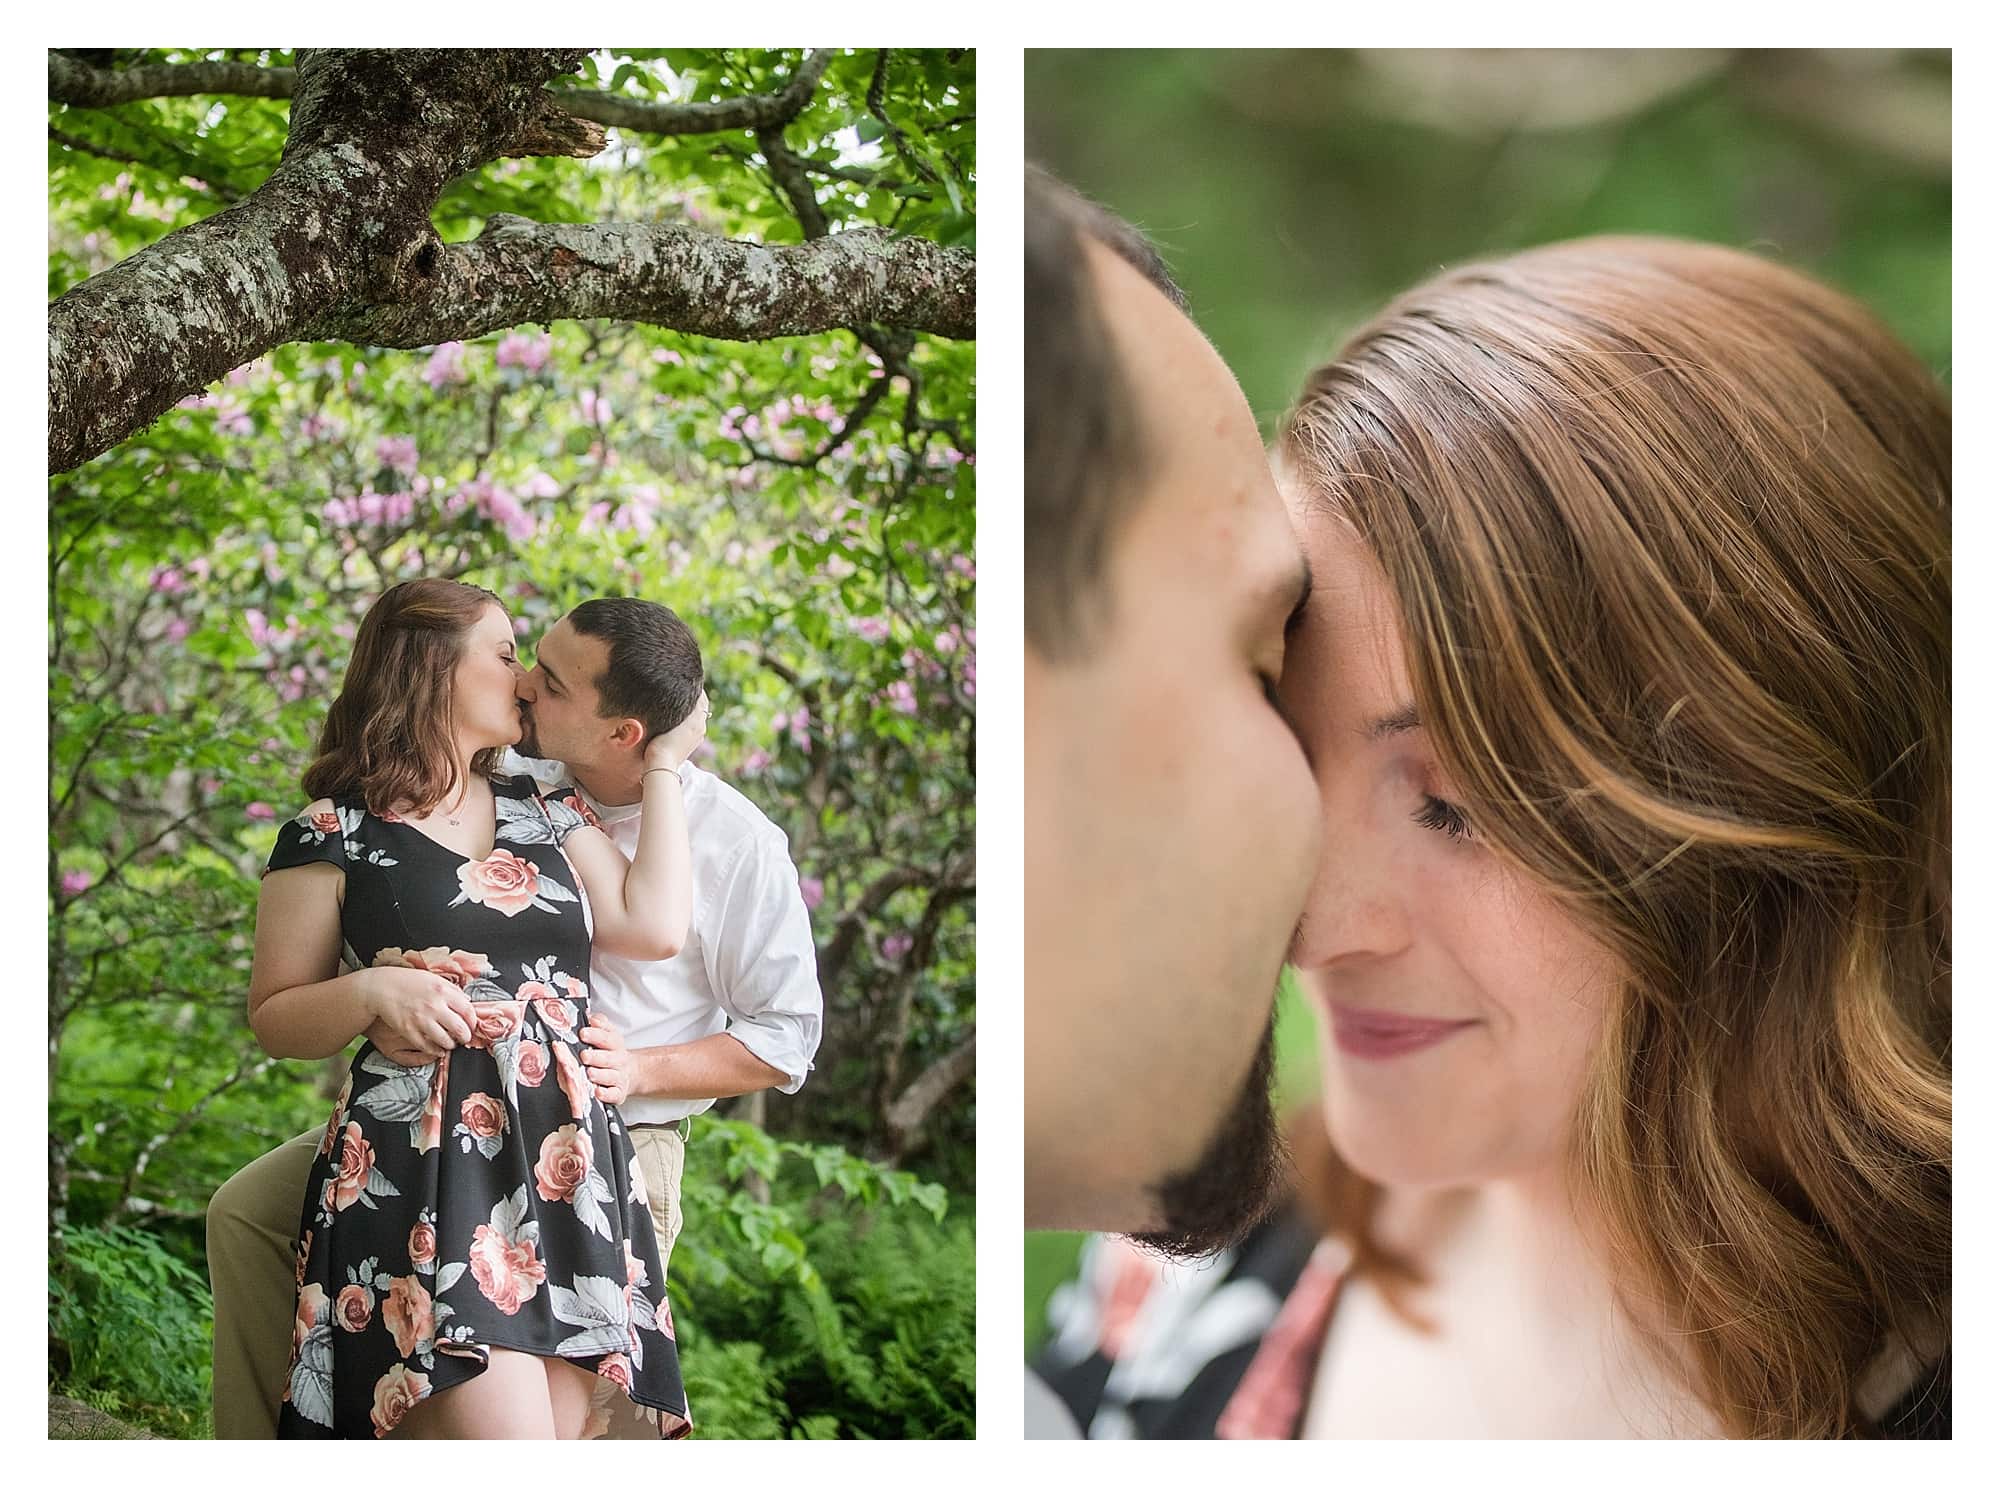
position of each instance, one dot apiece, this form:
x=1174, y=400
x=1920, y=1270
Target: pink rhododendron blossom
x=540, y=485
x=529, y=353
x=901, y=696
x=812, y=891
x=733, y=553
x=895, y=947
x=962, y=566
x=260, y=632
x=76, y=881
x=167, y=581
x=178, y=630
x=756, y=762
x=232, y=417
x=947, y=641
x=398, y=452
x=318, y=428
x=447, y=365
x=260, y=811
x=593, y=518
x=871, y=628
x=634, y=517
x=596, y=410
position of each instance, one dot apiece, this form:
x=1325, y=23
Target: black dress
x=489, y=1200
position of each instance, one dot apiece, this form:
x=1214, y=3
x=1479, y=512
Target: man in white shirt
x=738, y=1010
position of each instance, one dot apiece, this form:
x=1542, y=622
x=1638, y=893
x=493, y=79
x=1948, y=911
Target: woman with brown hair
x=475, y=1246
x=1625, y=683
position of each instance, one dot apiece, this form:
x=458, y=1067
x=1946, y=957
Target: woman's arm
x=643, y=909
x=301, y=1008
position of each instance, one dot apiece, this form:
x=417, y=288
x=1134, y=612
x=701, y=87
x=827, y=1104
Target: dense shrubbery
x=807, y=505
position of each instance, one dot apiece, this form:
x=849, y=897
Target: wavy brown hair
x=388, y=734
x=1669, y=529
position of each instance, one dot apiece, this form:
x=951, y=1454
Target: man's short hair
x=654, y=670
x=1086, y=452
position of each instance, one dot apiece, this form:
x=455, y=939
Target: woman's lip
x=1369, y=1034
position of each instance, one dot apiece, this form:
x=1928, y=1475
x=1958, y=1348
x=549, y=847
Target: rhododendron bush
x=806, y=503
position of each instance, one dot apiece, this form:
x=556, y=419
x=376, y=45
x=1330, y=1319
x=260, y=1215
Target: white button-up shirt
x=749, y=967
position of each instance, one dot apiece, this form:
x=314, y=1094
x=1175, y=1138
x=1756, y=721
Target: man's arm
x=709, y=1068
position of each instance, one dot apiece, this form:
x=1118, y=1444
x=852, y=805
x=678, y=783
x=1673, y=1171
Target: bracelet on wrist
x=673, y=770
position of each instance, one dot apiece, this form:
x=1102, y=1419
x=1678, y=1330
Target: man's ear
x=630, y=734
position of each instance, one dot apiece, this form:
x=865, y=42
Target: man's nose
x=524, y=688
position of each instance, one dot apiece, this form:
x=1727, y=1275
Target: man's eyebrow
x=1401, y=721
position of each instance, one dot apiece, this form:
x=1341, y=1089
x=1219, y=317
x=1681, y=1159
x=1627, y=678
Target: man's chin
x=1214, y=1203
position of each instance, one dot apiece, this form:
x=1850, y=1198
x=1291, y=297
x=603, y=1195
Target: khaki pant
x=253, y=1222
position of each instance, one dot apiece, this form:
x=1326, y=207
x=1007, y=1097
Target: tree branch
x=673, y=277
x=913, y=1107
x=80, y=85
x=758, y=111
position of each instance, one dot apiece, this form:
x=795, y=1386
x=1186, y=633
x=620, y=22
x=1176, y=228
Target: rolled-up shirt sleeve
x=762, y=964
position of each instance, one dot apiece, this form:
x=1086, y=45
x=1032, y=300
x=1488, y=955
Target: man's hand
x=607, y=1060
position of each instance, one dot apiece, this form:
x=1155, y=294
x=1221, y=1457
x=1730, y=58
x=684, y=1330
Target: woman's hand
x=672, y=749
x=415, y=1010
x=607, y=1060
x=390, y=1045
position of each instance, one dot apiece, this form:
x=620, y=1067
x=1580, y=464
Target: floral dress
x=489, y=1200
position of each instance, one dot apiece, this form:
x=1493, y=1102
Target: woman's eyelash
x=1442, y=816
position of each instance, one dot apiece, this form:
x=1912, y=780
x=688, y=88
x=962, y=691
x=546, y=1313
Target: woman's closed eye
x=1442, y=816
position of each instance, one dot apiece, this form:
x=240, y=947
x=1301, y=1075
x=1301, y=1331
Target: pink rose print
x=423, y=1244
x=558, y=1015
x=532, y=990
x=430, y=1125
x=502, y=881
x=575, y=1083
x=618, y=1369
x=483, y=1115
x=508, y=1275
x=312, y=1304
x=353, y=1307
x=326, y=823
x=406, y=1313
x=456, y=967
x=564, y=1163
x=305, y=1254
x=531, y=1063
x=357, y=1161
x=395, y=1393
x=494, y=1022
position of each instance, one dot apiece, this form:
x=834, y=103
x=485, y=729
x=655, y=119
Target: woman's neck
x=1538, y=1267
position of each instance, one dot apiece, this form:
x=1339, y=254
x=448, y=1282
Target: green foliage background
x=1294, y=193
x=806, y=504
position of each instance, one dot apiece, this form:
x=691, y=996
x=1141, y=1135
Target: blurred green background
x=1294, y=193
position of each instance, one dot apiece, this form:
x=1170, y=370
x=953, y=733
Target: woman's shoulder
x=327, y=830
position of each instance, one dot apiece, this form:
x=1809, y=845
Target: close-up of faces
x=1560, y=689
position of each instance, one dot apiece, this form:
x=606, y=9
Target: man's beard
x=1212, y=1204
x=529, y=746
